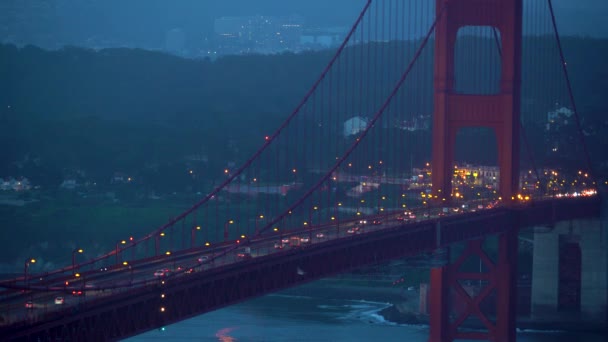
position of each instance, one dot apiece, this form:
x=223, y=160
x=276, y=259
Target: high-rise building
x=258, y=34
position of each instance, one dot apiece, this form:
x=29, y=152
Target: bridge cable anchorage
x=363, y=134
x=570, y=93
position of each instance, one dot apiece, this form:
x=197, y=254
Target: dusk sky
x=586, y=16
x=144, y=23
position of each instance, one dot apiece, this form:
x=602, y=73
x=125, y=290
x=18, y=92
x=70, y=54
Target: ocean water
x=283, y=318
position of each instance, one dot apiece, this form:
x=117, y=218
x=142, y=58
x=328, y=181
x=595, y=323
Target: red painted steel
x=126, y=311
x=499, y=112
x=451, y=305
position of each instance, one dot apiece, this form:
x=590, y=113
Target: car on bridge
x=59, y=300
x=244, y=254
x=354, y=230
x=162, y=272
x=203, y=258
x=294, y=241
x=29, y=305
x=305, y=239
x=320, y=235
x=278, y=245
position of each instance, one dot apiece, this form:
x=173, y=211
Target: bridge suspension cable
x=364, y=133
x=570, y=92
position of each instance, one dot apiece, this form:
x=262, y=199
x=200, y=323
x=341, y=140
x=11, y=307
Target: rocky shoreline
x=403, y=306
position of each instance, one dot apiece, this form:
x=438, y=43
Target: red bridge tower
x=499, y=112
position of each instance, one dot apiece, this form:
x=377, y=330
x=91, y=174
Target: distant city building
x=480, y=175
x=258, y=34
x=120, y=178
x=557, y=135
x=323, y=38
x=69, y=184
x=12, y=184
x=416, y=123
x=560, y=116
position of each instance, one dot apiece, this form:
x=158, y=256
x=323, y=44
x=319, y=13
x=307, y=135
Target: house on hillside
x=354, y=126
x=559, y=117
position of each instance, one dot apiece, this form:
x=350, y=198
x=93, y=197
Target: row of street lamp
x=30, y=261
x=121, y=243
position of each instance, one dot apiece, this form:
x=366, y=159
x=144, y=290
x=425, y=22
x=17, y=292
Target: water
x=282, y=318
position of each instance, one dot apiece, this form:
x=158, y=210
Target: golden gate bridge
x=463, y=61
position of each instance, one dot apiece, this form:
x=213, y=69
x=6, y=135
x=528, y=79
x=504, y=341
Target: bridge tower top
x=499, y=112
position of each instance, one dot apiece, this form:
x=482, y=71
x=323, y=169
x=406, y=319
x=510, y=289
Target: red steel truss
x=451, y=305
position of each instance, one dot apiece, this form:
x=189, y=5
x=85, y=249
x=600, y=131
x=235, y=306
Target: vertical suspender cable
x=570, y=93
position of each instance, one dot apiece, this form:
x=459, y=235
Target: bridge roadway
x=124, y=301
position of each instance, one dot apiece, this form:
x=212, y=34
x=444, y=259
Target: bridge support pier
x=570, y=274
x=461, y=298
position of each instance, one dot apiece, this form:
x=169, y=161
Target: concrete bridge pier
x=570, y=274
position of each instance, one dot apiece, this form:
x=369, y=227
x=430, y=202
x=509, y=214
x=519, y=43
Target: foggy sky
x=587, y=15
x=147, y=21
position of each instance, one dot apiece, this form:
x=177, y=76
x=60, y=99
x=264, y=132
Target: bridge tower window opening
x=475, y=175
x=477, y=60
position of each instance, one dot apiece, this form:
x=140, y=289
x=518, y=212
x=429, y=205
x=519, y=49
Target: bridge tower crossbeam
x=500, y=112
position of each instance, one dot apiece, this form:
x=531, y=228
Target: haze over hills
x=145, y=23
x=132, y=110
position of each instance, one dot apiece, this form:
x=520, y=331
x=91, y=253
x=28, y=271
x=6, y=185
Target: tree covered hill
x=127, y=110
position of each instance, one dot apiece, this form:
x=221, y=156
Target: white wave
x=370, y=302
x=367, y=312
x=289, y=296
x=541, y=331
x=331, y=307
